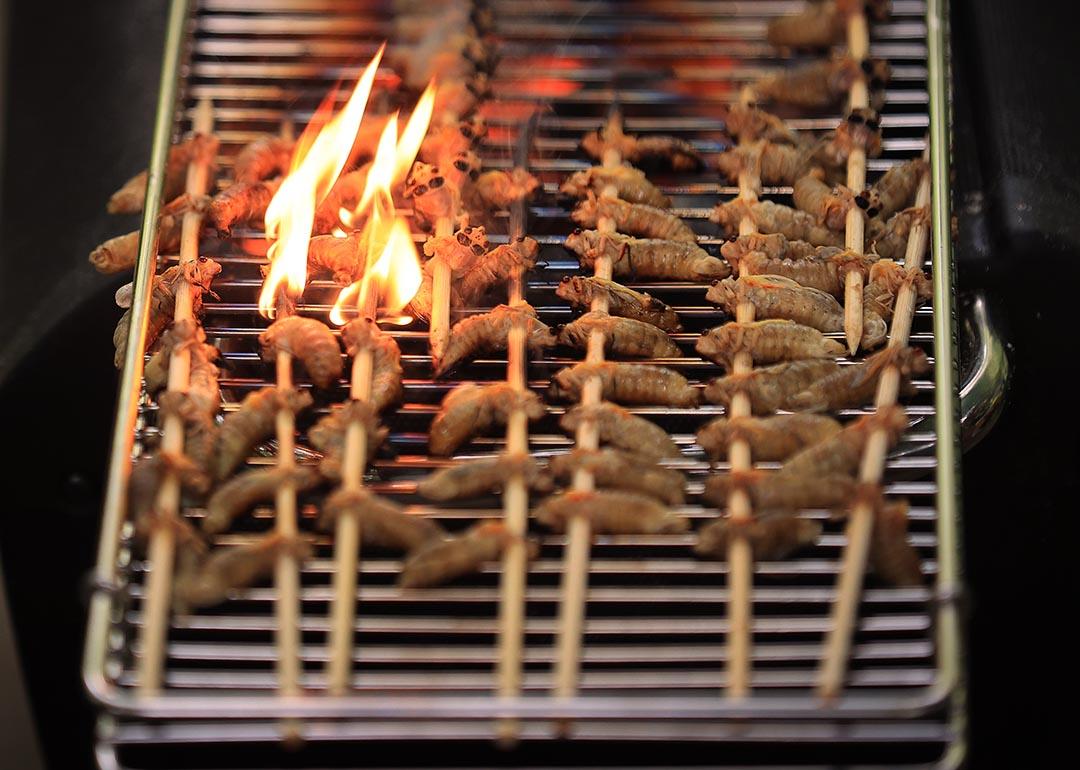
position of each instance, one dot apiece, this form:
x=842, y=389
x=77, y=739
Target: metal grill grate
x=653, y=657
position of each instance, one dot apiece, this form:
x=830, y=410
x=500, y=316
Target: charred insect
x=489, y=332
x=617, y=469
x=498, y=190
x=328, y=434
x=241, y=203
x=772, y=537
x=679, y=154
x=769, y=217
x=774, y=246
x=129, y=198
x=119, y=254
x=770, y=388
x=342, y=258
x=481, y=477
x=345, y=194
x=471, y=409
x=775, y=162
x=622, y=336
x=646, y=258
x=860, y=129
x=895, y=190
x=786, y=491
x=308, y=340
x=610, y=512
x=246, y=489
x=383, y=523
x=855, y=385
x=432, y=197
x=841, y=452
x=770, y=438
x=441, y=562
x=147, y=474
x=892, y=557
x=747, y=122
x=386, y=371
x=254, y=422
x=621, y=428
x=630, y=184
x=200, y=430
x=822, y=84
x=767, y=342
x=263, y=158
x=580, y=291
x=626, y=383
x=633, y=219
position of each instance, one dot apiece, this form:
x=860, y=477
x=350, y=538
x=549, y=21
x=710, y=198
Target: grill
x=653, y=658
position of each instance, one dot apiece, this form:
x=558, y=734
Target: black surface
x=84, y=79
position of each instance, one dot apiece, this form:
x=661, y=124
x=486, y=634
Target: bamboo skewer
x=347, y=529
x=286, y=570
x=855, y=224
x=515, y=500
x=579, y=530
x=740, y=558
x=860, y=525
x=162, y=549
x=439, y=327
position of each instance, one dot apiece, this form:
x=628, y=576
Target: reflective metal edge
x=950, y=678
x=93, y=668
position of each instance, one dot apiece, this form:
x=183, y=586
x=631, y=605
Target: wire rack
x=653, y=654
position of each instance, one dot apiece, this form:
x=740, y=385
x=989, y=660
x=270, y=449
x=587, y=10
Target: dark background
x=81, y=84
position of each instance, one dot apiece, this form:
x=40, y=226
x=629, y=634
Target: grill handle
x=985, y=369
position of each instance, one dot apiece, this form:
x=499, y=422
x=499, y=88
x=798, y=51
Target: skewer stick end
x=853, y=310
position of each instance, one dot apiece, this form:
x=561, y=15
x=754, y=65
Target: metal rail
x=655, y=624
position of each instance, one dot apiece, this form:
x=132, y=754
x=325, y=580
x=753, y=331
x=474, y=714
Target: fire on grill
x=342, y=202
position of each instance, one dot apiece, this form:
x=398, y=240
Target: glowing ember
x=315, y=168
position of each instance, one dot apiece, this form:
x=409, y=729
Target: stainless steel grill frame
x=654, y=637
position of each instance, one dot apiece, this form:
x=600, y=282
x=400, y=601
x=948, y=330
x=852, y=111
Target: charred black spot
x=436, y=182
x=520, y=239
x=861, y=201
x=477, y=249
x=420, y=190
x=461, y=165
x=466, y=131
x=873, y=124
x=856, y=118
x=872, y=211
x=867, y=66
x=876, y=83
x=474, y=174
x=577, y=231
x=463, y=239
x=467, y=229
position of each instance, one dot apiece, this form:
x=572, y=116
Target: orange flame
x=392, y=275
x=315, y=168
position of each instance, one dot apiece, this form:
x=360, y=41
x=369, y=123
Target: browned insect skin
x=829, y=204
x=264, y=158
x=770, y=438
x=622, y=428
x=630, y=184
x=822, y=84
x=471, y=409
x=129, y=198
x=308, y=340
x=147, y=474
x=328, y=434
x=441, y=562
x=626, y=384
x=889, y=238
x=892, y=557
x=771, y=217
x=248, y=488
x=242, y=203
x=488, y=332
x=182, y=334
x=856, y=385
x=610, y=511
x=768, y=342
x=200, y=431
x=208, y=582
x=203, y=388
x=748, y=123
x=772, y=537
x=770, y=387
x=646, y=257
x=670, y=151
x=450, y=139
x=781, y=490
x=622, y=336
x=342, y=258
x=895, y=190
x=818, y=25
x=253, y=422
x=861, y=129
x=886, y=278
x=477, y=478
x=777, y=163
x=773, y=246
x=778, y=297
x=827, y=273
x=633, y=219
x=386, y=370
x=383, y=523
x=841, y=452
x=499, y=189
x=580, y=291
x=493, y=269
x=613, y=468
x=119, y=254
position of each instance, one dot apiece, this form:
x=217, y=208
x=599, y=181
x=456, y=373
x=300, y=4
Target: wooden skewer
x=287, y=568
x=855, y=224
x=740, y=558
x=515, y=500
x=347, y=529
x=860, y=525
x=439, y=327
x=162, y=549
x=575, y=575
